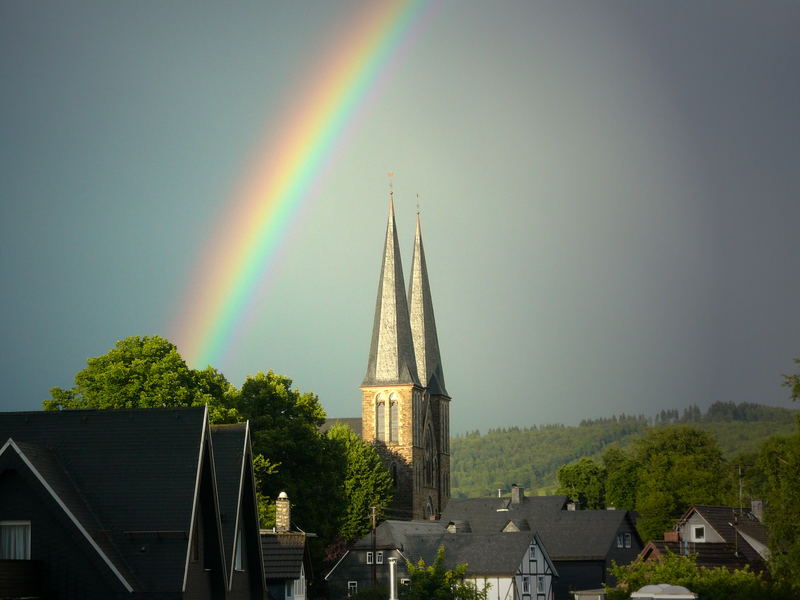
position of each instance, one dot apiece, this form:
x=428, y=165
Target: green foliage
x=778, y=463
x=710, y=584
x=584, y=481
x=378, y=592
x=285, y=429
x=793, y=382
x=434, y=582
x=146, y=372
x=366, y=481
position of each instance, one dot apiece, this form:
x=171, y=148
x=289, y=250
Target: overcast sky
x=610, y=195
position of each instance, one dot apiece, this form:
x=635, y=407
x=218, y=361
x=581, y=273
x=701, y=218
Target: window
x=405, y=582
x=352, y=588
x=289, y=589
x=620, y=543
x=540, y=584
x=394, y=420
x=526, y=585
x=380, y=418
x=627, y=540
x=699, y=534
x=379, y=557
x=369, y=558
x=15, y=540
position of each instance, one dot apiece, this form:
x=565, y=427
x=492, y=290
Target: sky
x=609, y=195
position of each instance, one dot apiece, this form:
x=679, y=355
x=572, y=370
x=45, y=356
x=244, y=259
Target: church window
x=394, y=420
x=380, y=418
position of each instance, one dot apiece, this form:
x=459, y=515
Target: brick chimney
x=283, y=513
x=517, y=494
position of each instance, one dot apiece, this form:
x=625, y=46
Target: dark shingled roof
x=391, y=353
x=708, y=554
x=723, y=518
x=283, y=554
x=353, y=423
x=567, y=534
x=141, y=482
x=228, y=443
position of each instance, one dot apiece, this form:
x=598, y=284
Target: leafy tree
x=434, y=582
x=621, y=479
x=146, y=372
x=678, y=467
x=285, y=427
x=793, y=382
x=584, y=481
x=366, y=481
x=778, y=463
x=710, y=584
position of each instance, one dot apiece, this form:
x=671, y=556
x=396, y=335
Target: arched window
x=394, y=419
x=380, y=417
x=428, y=457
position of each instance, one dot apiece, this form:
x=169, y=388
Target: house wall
x=577, y=575
x=534, y=565
x=71, y=568
x=624, y=555
x=354, y=567
x=687, y=530
x=497, y=588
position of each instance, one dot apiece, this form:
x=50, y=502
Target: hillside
x=530, y=456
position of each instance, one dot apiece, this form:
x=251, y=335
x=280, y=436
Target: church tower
x=404, y=405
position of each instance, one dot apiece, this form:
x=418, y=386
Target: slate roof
x=423, y=323
x=353, y=423
x=228, y=443
x=283, y=554
x=391, y=355
x=567, y=534
x=723, y=518
x=137, y=492
x=708, y=554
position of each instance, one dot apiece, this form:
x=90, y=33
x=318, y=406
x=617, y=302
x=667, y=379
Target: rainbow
x=258, y=219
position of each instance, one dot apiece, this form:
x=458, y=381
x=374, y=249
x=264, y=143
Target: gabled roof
x=130, y=473
x=726, y=519
x=423, y=323
x=229, y=442
x=391, y=355
x=283, y=554
x=708, y=554
x=567, y=534
x=397, y=534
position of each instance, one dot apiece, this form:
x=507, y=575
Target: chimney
x=757, y=508
x=573, y=505
x=283, y=513
x=517, y=494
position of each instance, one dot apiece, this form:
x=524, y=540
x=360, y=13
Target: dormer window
x=15, y=540
x=699, y=533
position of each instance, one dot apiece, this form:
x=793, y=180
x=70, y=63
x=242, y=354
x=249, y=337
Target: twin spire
x=405, y=347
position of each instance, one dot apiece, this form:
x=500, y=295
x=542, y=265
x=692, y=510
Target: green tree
x=710, y=584
x=366, y=481
x=146, y=372
x=778, y=463
x=677, y=467
x=793, y=382
x=621, y=479
x=584, y=481
x=434, y=582
x=285, y=428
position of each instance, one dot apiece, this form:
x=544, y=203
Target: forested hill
x=530, y=456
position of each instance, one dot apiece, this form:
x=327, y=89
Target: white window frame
x=27, y=547
x=379, y=557
x=628, y=539
x=540, y=584
x=352, y=588
x=702, y=536
x=526, y=584
x=620, y=542
x=370, y=557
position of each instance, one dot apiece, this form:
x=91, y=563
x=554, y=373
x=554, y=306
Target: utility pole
x=374, y=552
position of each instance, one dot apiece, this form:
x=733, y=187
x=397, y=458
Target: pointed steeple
x=391, y=353
x=423, y=323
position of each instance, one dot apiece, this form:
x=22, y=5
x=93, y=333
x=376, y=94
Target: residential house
x=719, y=536
x=510, y=566
x=286, y=557
x=581, y=543
x=145, y=503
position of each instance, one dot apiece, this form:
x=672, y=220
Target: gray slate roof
x=709, y=554
x=283, y=554
x=567, y=535
x=141, y=483
x=391, y=355
x=423, y=323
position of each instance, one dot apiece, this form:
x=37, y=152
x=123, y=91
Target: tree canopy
x=434, y=582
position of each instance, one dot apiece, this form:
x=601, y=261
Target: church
x=404, y=403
